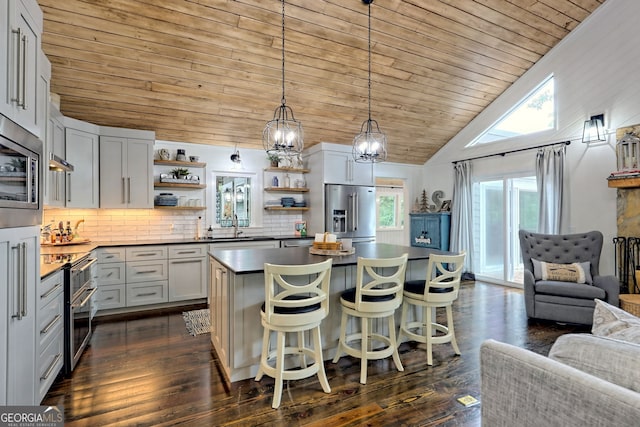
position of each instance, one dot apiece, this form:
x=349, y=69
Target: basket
x=630, y=303
x=327, y=246
x=334, y=246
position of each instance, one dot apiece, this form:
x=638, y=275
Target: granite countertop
x=86, y=247
x=247, y=261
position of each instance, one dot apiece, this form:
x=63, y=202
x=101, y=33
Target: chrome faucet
x=236, y=232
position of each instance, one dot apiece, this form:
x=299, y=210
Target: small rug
x=197, y=321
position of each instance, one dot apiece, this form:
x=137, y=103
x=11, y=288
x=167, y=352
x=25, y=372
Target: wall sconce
x=239, y=195
x=594, y=129
x=227, y=195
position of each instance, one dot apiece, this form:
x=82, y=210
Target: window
x=389, y=208
x=535, y=113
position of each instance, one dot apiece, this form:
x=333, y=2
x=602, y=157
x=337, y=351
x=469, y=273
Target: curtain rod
x=513, y=151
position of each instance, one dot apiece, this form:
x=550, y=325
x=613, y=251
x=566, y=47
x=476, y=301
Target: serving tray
x=330, y=252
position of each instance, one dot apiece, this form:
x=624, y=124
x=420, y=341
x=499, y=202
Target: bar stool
x=439, y=290
x=376, y=296
x=293, y=307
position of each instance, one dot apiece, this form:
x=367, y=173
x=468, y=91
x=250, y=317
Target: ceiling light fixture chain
x=283, y=135
x=369, y=146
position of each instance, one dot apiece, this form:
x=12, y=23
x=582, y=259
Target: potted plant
x=180, y=173
x=274, y=159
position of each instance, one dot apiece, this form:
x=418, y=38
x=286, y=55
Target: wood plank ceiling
x=210, y=71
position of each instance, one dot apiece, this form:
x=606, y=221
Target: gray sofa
x=585, y=381
x=565, y=301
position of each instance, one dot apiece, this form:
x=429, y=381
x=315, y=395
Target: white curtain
x=550, y=178
x=461, y=215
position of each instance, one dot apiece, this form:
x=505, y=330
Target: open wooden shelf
x=176, y=185
x=286, y=190
x=182, y=208
x=282, y=208
x=629, y=182
x=179, y=163
x=291, y=170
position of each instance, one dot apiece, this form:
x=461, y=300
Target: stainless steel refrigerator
x=350, y=211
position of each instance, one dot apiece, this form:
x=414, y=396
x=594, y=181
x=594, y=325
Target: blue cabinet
x=430, y=230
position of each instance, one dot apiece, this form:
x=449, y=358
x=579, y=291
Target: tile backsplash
x=112, y=225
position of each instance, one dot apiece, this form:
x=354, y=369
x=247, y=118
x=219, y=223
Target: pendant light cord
x=283, y=99
x=369, y=125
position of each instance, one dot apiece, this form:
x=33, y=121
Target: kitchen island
x=237, y=292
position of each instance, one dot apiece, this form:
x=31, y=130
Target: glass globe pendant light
x=370, y=145
x=284, y=134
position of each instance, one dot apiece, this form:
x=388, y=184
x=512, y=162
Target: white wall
x=596, y=71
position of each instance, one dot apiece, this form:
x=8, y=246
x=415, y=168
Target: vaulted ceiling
x=210, y=71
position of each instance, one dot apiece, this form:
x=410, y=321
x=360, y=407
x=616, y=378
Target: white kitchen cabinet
x=110, y=278
x=19, y=279
x=337, y=165
x=146, y=275
x=50, y=332
x=126, y=168
x=187, y=272
x=219, y=312
x=54, y=181
x=82, y=150
x=21, y=30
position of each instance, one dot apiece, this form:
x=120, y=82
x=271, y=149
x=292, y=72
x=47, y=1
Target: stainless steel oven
x=79, y=289
x=20, y=196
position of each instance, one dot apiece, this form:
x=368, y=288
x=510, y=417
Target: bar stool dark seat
x=377, y=295
x=292, y=307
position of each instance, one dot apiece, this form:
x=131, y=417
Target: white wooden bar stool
x=296, y=300
x=439, y=290
x=377, y=295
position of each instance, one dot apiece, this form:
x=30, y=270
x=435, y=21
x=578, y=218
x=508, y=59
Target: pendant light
x=370, y=145
x=283, y=135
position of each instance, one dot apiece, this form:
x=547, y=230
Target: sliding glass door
x=503, y=206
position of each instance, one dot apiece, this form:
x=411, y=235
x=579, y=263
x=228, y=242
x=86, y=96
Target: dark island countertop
x=247, y=261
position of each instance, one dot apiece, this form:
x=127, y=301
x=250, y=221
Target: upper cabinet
x=126, y=168
x=82, y=151
x=54, y=181
x=338, y=166
x=20, y=38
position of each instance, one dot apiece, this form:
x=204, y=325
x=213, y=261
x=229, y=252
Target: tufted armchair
x=558, y=300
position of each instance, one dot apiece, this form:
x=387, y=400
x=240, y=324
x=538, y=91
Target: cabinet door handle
x=50, y=324
x=146, y=294
x=49, y=371
x=68, y=187
x=188, y=261
x=186, y=252
x=21, y=280
x=146, y=271
x=50, y=291
x=147, y=254
x=129, y=189
x=18, y=86
x=124, y=194
x=25, y=42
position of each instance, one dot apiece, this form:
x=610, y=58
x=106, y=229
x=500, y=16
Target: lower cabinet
x=219, y=312
x=50, y=332
x=430, y=230
x=187, y=272
x=137, y=276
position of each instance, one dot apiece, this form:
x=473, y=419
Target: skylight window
x=535, y=113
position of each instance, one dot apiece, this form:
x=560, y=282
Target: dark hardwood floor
x=150, y=372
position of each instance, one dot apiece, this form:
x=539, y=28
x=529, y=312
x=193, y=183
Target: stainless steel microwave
x=20, y=195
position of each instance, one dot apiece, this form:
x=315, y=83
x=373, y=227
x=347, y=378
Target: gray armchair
x=565, y=301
